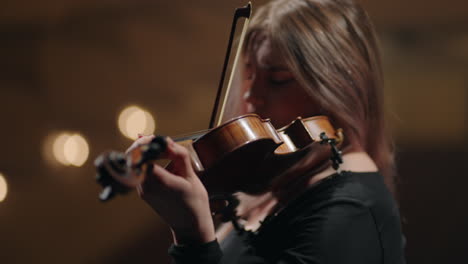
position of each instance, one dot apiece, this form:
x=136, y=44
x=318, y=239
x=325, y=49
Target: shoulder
x=339, y=199
x=340, y=229
x=351, y=190
x=345, y=218
x=348, y=196
x=336, y=204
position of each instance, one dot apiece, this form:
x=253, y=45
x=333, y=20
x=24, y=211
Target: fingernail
x=140, y=135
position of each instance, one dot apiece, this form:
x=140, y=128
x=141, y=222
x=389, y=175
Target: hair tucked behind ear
x=330, y=46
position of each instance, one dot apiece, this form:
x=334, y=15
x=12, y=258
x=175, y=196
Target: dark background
x=73, y=65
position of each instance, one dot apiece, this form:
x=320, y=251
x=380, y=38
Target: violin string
x=190, y=136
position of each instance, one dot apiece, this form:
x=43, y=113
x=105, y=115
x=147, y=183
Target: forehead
x=265, y=55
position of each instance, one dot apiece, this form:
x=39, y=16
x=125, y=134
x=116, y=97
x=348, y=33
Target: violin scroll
x=117, y=172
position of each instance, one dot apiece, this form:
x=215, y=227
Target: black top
x=345, y=218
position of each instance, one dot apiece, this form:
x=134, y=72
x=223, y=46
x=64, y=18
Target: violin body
x=241, y=155
x=245, y=152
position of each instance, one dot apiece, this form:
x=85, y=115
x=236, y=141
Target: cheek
x=302, y=103
x=284, y=108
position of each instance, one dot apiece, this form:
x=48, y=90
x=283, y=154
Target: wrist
x=198, y=232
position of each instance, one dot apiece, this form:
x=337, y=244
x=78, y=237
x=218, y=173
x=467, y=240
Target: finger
x=180, y=157
x=140, y=141
x=176, y=152
x=144, y=139
x=162, y=180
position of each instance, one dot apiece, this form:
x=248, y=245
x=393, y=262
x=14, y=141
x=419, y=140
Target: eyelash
x=282, y=82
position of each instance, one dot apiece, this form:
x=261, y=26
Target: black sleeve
x=208, y=253
x=341, y=232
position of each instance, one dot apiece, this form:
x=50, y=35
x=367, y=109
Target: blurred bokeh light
x=70, y=149
x=3, y=188
x=134, y=120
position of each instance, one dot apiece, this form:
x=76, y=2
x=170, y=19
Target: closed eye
x=281, y=82
x=281, y=77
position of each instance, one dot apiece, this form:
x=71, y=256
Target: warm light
x=70, y=149
x=135, y=123
x=3, y=188
x=58, y=148
x=76, y=150
x=133, y=120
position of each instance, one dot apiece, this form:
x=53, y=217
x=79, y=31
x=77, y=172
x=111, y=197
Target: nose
x=254, y=95
x=253, y=102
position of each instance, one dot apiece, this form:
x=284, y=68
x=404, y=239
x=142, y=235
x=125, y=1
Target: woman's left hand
x=178, y=196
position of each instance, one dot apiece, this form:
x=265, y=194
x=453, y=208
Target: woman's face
x=271, y=90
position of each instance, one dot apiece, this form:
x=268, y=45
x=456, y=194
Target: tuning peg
x=102, y=176
x=106, y=194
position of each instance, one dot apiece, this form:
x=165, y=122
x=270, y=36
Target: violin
x=242, y=154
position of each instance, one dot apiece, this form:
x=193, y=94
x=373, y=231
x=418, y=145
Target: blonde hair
x=331, y=48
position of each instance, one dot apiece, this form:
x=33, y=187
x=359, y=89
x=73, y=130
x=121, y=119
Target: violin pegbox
x=108, y=166
x=118, y=172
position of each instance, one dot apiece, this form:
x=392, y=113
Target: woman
x=301, y=58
